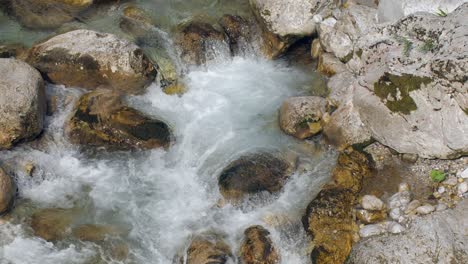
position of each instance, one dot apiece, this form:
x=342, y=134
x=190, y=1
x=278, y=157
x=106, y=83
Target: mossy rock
x=395, y=90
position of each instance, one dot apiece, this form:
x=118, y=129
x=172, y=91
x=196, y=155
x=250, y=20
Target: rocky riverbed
x=246, y=131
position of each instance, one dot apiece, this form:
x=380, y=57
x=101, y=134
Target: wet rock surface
x=329, y=218
x=7, y=192
x=301, y=116
x=239, y=32
x=47, y=14
x=207, y=249
x=258, y=247
x=252, y=174
x=200, y=42
x=22, y=102
x=89, y=59
x=102, y=120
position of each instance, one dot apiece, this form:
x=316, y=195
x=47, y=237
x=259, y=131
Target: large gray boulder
x=285, y=21
x=410, y=88
x=89, y=59
x=22, y=102
x=441, y=237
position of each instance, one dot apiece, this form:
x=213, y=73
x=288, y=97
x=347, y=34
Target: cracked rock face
x=89, y=59
x=441, y=237
x=410, y=91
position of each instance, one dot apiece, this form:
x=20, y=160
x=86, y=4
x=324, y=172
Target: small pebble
x=371, y=202
x=461, y=180
x=404, y=187
x=462, y=188
x=395, y=213
x=371, y=230
x=441, y=189
x=451, y=181
x=400, y=199
x=464, y=174
x=395, y=228
x=425, y=209
x=412, y=206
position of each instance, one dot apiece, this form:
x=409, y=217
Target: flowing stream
x=160, y=198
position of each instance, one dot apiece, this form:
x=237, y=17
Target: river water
x=162, y=198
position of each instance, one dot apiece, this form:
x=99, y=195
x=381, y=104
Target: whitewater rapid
x=162, y=198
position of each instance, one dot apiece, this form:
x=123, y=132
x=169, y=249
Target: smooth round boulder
x=101, y=119
x=22, y=102
x=200, y=42
x=258, y=247
x=301, y=116
x=7, y=192
x=95, y=233
x=89, y=59
x=47, y=14
x=252, y=174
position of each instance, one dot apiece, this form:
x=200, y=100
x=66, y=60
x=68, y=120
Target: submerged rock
x=94, y=233
x=252, y=174
x=7, y=192
x=102, y=119
x=200, y=42
x=301, y=116
x=52, y=224
x=47, y=14
x=207, y=249
x=329, y=217
x=258, y=247
x=155, y=42
x=437, y=238
x=22, y=102
x=90, y=59
x=285, y=21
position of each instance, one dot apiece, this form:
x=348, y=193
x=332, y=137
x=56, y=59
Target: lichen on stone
x=395, y=90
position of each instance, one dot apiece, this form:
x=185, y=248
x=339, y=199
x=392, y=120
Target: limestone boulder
x=285, y=21
x=301, y=116
x=89, y=59
x=52, y=224
x=22, y=102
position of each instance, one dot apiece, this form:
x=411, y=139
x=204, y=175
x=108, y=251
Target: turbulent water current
x=160, y=198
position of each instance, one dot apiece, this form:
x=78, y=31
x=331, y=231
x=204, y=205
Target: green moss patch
x=398, y=88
